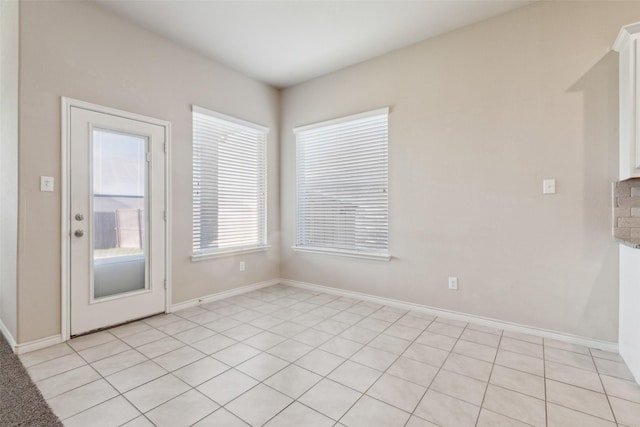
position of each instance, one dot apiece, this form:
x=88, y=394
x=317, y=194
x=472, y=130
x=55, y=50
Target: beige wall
x=9, y=48
x=75, y=49
x=479, y=117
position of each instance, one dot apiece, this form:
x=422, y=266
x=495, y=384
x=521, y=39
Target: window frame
x=386, y=256
x=209, y=253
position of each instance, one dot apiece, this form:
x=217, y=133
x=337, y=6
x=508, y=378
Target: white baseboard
x=7, y=335
x=221, y=295
x=38, y=344
x=499, y=324
x=57, y=339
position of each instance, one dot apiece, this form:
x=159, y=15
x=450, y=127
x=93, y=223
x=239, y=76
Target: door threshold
x=106, y=328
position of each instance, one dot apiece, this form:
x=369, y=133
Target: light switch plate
x=549, y=186
x=46, y=183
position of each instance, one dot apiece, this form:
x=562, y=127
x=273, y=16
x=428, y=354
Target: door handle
x=79, y=233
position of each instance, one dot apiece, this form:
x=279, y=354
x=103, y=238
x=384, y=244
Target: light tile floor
x=283, y=356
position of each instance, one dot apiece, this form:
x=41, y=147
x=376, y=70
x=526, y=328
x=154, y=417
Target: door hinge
x=148, y=157
x=165, y=215
x=164, y=147
x=165, y=284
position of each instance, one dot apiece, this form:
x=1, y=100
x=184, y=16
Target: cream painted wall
x=9, y=50
x=479, y=117
x=77, y=50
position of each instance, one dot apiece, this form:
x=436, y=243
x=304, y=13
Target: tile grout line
x=140, y=385
x=390, y=365
x=275, y=373
x=90, y=364
x=348, y=359
x=210, y=355
x=289, y=364
x=317, y=347
x=301, y=367
x=583, y=388
x=259, y=382
x=613, y=414
x=101, y=378
x=164, y=375
x=486, y=389
x=436, y=374
x=348, y=325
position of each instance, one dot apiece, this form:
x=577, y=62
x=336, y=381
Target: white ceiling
x=287, y=42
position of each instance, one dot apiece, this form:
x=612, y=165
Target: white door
x=117, y=219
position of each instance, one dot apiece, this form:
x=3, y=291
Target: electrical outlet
x=242, y=266
x=453, y=283
x=549, y=186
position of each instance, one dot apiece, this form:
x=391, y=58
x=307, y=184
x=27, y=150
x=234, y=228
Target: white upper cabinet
x=627, y=45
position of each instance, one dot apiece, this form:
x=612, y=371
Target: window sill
x=338, y=252
x=224, y=253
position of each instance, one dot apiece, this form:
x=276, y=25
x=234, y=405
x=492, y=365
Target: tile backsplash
x=626, y=211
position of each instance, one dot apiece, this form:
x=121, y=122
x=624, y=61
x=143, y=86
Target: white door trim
x=65, y=279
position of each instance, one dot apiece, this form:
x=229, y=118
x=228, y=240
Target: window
x=342, y=182
x=229, y=187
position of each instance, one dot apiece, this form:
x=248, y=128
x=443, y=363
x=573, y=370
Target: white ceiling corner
x=284, y=43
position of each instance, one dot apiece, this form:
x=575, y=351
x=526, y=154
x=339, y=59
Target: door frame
x=65, y=190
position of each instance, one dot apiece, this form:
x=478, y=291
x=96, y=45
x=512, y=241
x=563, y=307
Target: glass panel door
x=119, y=212
x=117, y=217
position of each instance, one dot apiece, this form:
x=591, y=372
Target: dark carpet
x=21, y=403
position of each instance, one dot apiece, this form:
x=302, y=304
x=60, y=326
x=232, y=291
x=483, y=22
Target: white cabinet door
x=627, y=44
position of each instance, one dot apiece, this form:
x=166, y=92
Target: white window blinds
x=229, y=188
x=342, y=182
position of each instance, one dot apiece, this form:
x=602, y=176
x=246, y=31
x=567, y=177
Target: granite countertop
x=634, y=245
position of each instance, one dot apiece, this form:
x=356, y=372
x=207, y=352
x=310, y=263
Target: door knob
x=79, y=233
x=79, y=217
